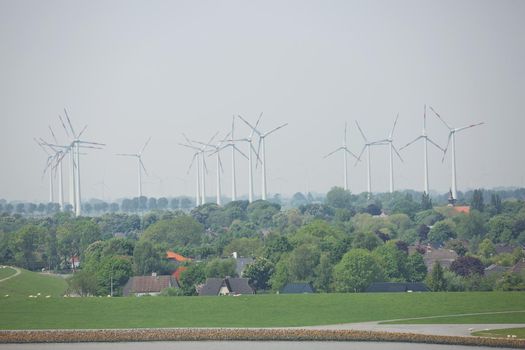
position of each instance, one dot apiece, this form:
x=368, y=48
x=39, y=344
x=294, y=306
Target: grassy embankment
x=21, y=312
x=6, y=271
x=31, y=283
x=502, y=333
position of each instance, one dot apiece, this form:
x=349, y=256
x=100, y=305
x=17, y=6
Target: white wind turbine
x=49, y=163
x=452, y=135
x=140, y=164
x=251, y=149
x=231, y=143
x=390, y=142
x=346, y=151
x=74, y=149
x=366, y=147
x=196, y=155
x=262, y=148
x=426, y=139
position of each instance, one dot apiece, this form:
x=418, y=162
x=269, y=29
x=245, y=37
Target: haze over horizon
x=132, y=69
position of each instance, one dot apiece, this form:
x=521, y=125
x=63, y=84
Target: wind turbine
x=231, y=143
x=262, y=148
x=426, y=139
x=74, y=149
x=49, y=162
x=140, y=164
x=249, y=139
x=452, y=135
x=366, y=147
x=58, y=165
x=198, y=172
x=346, y=151
x=390, y=142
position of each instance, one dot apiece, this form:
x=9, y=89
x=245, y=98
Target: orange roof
x=175, y=256
x=462, y=209
x=177, y=272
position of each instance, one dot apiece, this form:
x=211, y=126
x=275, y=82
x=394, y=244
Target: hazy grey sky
x=134, y=69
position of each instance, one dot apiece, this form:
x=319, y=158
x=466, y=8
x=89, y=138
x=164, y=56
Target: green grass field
x=250, y=311
x=502, y=333
x=6, y=272
x=31, y=283
x=510, y=317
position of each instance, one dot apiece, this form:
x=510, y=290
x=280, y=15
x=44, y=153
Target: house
x=225, y=286
x=148, y=285
x=445, y=257
x=495, y=269
x=519, y=268
x=172, y=256
x=465, y=209
x=297, y=288
x=74, y=262
x=178, y=271
x=396, y=287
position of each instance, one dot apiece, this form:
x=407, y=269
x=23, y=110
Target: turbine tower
x=198, y=170
x=346, y=151
x=74, y=149
x=452, y=135
x=426, y=139
x=140, y=164
x=58, y=168
x=390, y=142
x=49, y=162
x=262, y=136
x=231, y=143
x=251, y=149
x=366, y=147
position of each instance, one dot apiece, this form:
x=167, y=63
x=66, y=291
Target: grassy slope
x=511, y=317
x=502, y=333
x=247, y=311
x=6, y=272
x=28, y=283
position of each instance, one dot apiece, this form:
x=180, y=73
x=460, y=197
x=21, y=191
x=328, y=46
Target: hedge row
x=227, y=334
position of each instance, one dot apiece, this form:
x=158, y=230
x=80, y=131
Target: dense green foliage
x=339, y=243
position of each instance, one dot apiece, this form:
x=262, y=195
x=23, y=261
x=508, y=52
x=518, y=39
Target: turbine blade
x=143, y=167
x=469, y=126
x=69, y=122
x=399, y=155
x=334, y=151
x=220, y=162
x=257, y=153
x=187, y=139
x=435, y=144
x=446, y=148
x=277, y=128
x=258, y=120
x=247, y=123
x=52, y=134
x=189, y=146
x=82, y=131
x=361, y=131
x=393, y=127
x=241, y=152
x=437, y=115
x=191, y=163
x=126, y=154
x=360, y=154
x=411, y=142
x=63, y=125
x=352, y=154
x=145, y=145
x=213, y=137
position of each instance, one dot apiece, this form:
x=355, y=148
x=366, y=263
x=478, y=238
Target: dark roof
x=519, y=267
x=297, y=288
x=211, y=287
x=148, y=284
x=495, y=270
x=445, y=257
x=241, y=264
x=234, y=285
x=504, y=248
x=389, y=287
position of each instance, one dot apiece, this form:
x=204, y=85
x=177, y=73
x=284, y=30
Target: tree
x=191, y=277
x=27, y=242
x=456, y=246
x=162, y=203
x=259, y=273
x=83, y=283
x=467, y=266
x=302, y=262
x=365, y=240
x=477, y=201
x=243, y=246
x=298, y=199
x=441, y=232
x=486, y=248
x=112, y=274
x=280, y=276
x=426, y=201
x=436, y=280
x=324, y=274
x=422, y=232
x=261, y=212
x=147, y=258
x=416, y=268
x=495, y=202
x=221, y=268
x=392, y=261
x=180, y=231
x=356, y=270
x=337, y=197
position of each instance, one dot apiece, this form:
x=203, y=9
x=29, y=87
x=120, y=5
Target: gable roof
x=495, y=269
x=462, y=209
x=297, y=288
x=234, y=285
x=389, y=287
x=148, y=284
x=445, y=257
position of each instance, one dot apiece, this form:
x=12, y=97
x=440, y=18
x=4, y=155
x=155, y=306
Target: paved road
x=18, y=271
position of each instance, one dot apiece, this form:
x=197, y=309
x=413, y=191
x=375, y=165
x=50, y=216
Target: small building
x=172, y=256
x=396, y=287
x=495, y=269
x=148, y=285
x=225, y=286
x=445, y=257
x=297, y=288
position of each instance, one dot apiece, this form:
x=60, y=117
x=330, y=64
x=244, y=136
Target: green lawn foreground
x=502, y=333
x=249, y=311
x=32, y=283
x=6, y=271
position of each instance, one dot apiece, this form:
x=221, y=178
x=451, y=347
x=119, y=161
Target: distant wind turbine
x=366, y=147
x=452, y=135
x=140, y=164
x=346, y=151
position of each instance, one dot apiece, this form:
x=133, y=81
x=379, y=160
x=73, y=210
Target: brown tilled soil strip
x=228, y=334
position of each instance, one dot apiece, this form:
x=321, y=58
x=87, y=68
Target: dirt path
x=18, y=271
